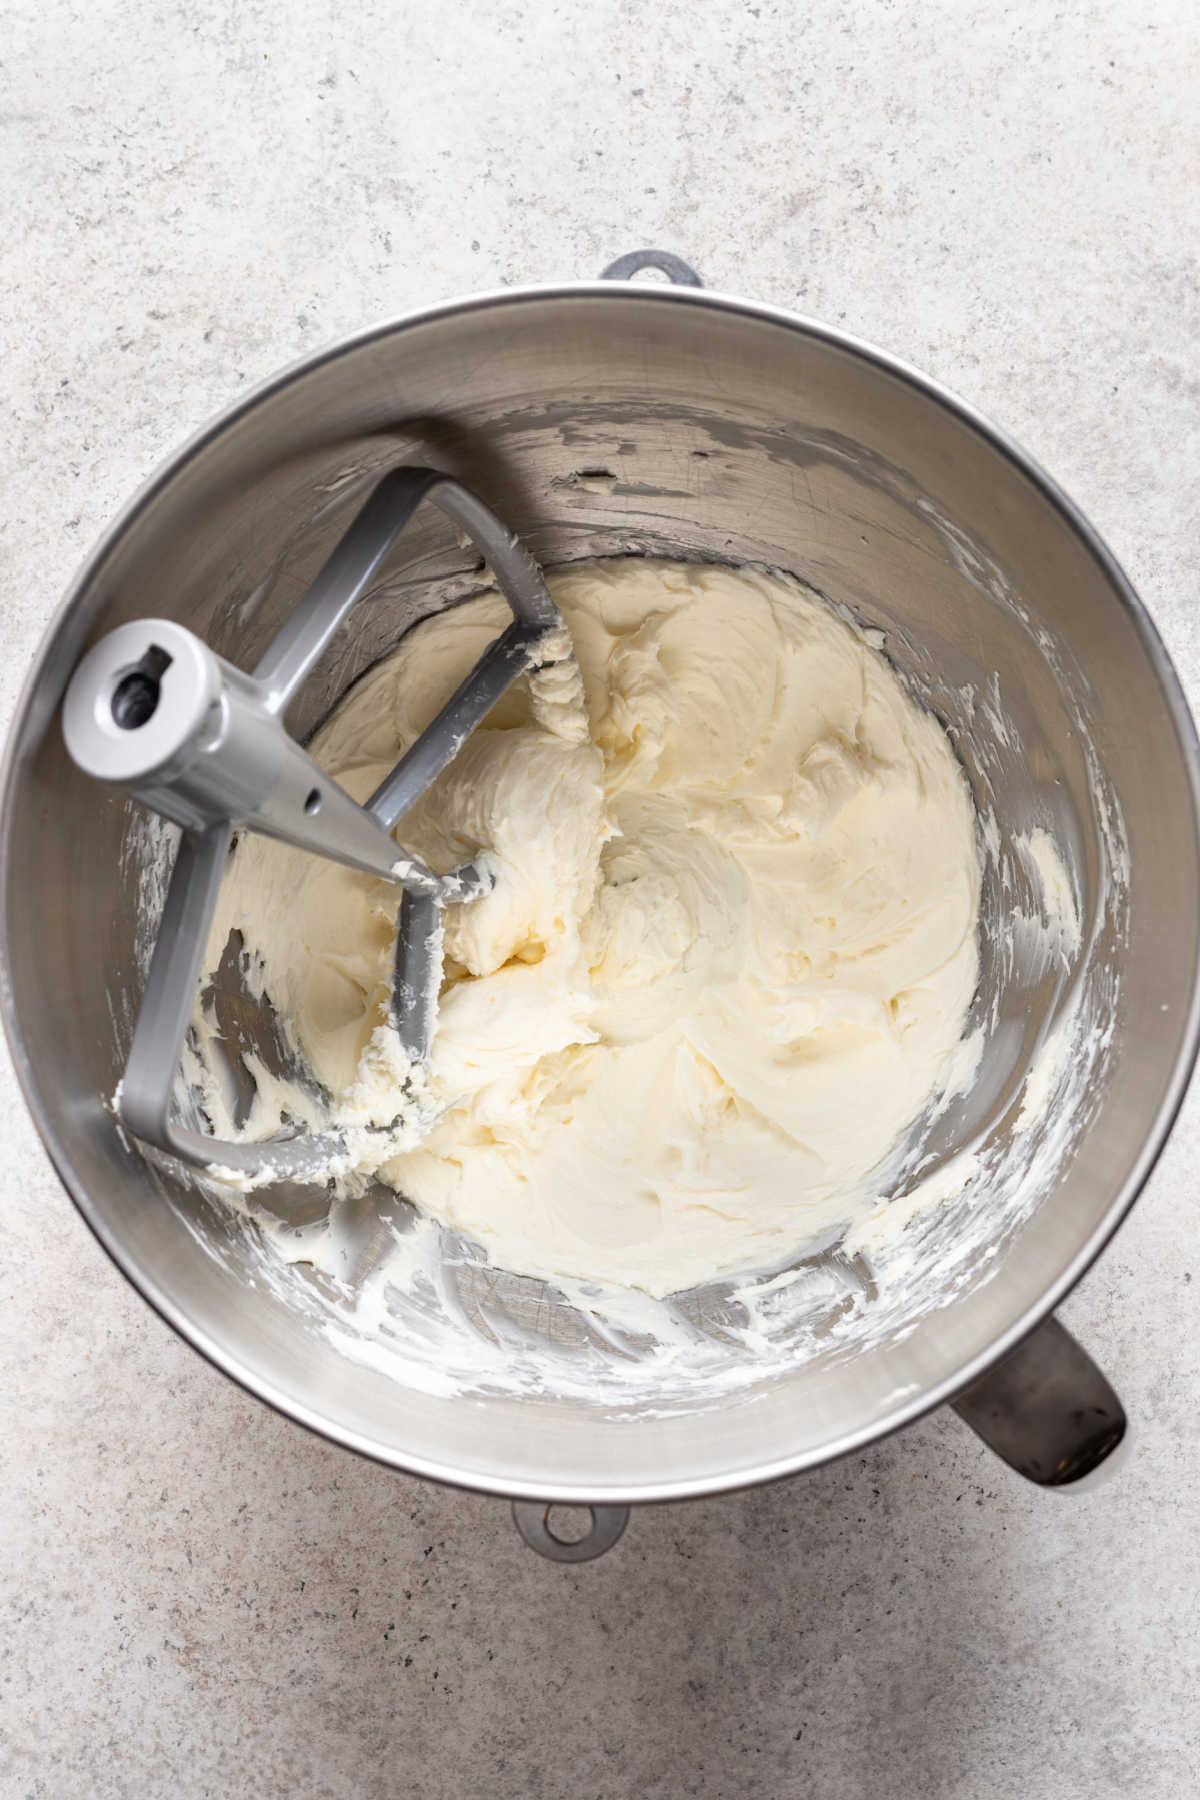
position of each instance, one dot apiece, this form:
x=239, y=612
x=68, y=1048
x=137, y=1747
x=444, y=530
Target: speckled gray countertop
x=199, y=1598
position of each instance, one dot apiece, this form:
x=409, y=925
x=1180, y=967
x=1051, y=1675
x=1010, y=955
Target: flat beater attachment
x=152, y=709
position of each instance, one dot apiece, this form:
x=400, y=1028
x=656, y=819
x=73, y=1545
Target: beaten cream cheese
x=730, y=947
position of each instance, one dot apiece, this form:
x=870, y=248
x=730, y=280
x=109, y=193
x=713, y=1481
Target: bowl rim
x=913, y=1406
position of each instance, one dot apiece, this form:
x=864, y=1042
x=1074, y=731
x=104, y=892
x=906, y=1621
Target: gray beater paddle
x=154, y=710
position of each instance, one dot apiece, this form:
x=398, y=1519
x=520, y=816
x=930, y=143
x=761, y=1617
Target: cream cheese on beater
x=729, y=950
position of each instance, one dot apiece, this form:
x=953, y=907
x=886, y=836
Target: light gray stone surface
x=201, y=1600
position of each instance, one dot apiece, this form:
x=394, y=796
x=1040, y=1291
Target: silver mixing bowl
x=602, y=418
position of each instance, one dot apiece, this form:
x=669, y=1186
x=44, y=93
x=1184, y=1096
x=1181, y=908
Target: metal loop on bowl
x=532, y=1520
x=679, y=273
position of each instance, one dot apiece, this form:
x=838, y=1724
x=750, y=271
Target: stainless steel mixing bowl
x=599, y=418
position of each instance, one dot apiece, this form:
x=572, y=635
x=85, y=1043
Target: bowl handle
x=1047, y=1411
